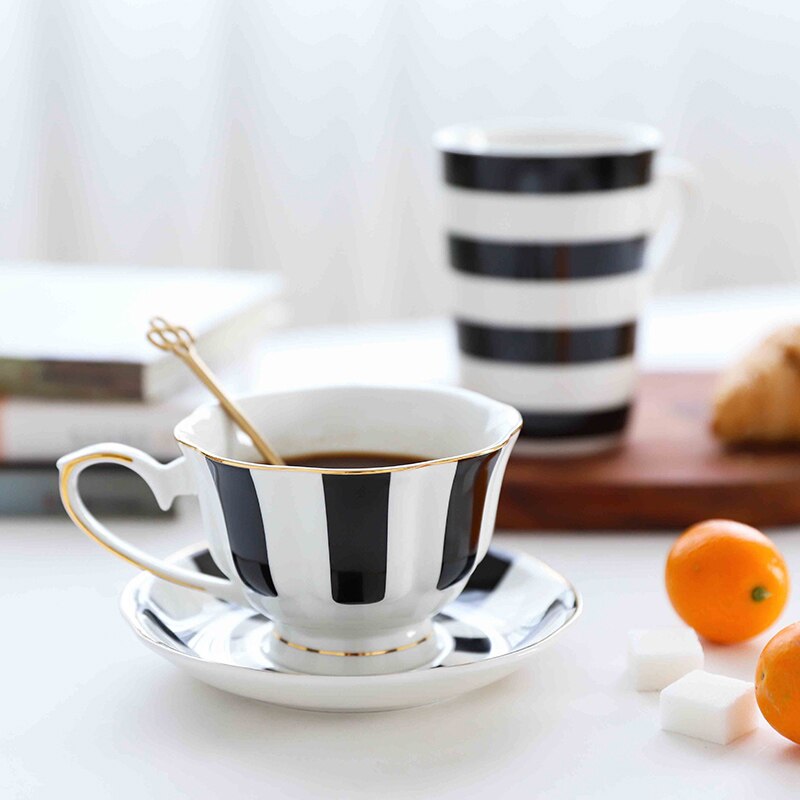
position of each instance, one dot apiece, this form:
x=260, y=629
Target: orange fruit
x=778, y=682
x=726, y=580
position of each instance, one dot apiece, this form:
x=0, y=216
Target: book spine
x=42, y=431
x=107, y=491
x=86, y=380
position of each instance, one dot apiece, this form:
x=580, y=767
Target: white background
x=295, y=135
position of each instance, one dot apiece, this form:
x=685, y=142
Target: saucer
x=512, y=606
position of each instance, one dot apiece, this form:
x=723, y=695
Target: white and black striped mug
x=554, y=231
x=349, y=564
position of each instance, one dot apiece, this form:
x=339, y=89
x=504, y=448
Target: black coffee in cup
x=353, y=460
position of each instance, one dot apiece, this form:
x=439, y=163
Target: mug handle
x=166, y=481
x=680, y=173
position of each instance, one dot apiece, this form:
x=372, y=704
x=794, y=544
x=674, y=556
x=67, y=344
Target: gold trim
x=65, y=499
x=346, y=654
x=179, y=341
x=232, y=462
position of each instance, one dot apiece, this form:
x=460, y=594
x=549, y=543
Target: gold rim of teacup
x=233, y=462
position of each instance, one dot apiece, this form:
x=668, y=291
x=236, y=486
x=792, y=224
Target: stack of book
x=76, y=369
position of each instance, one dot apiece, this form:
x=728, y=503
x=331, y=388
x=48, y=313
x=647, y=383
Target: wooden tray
x=670, y=473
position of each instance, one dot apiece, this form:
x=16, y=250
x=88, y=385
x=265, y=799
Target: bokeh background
x=295, y=136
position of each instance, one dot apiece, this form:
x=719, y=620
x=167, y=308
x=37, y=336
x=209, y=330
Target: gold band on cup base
x=346, y=654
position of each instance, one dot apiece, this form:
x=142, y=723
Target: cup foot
x=395, y=651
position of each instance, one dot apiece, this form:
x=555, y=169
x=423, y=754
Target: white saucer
x=512, y=606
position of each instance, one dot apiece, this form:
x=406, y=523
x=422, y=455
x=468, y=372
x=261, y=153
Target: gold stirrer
x=176, y=339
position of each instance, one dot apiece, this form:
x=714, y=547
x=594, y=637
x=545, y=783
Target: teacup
x=350, y=564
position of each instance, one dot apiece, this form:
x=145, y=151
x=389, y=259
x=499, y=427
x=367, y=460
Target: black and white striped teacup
x=349, y=564
x=553, y=231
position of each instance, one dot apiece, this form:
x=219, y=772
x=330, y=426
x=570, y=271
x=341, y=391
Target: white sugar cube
x=710, y=707
x=659, y=656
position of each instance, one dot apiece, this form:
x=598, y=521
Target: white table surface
x=87, y=712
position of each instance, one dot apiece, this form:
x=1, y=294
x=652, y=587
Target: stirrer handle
x=178, y=340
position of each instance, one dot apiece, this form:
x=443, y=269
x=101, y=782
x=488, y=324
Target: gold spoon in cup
x=176, y=339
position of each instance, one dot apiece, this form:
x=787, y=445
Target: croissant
x=758, y=398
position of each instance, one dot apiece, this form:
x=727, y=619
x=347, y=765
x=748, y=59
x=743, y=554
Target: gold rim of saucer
x=233, y=462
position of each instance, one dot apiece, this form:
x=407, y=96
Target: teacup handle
x=166, y=481
x=682, y=175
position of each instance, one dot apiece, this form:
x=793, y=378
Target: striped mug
x=554, y=231
x=344, y=562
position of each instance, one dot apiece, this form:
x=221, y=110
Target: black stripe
x=206, y=564
x=357, y=511
x=537, y=425
x=464, y=515
x=245, y=526
x=162, y=626
x=559, y=346
x=542, y=175
x=546, y=262
x=462, y=644
x=489, y=573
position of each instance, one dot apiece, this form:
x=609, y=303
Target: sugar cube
x=659, y=656
x=710, y=707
